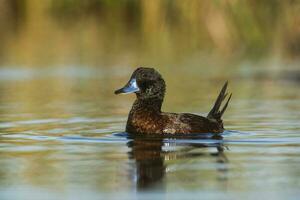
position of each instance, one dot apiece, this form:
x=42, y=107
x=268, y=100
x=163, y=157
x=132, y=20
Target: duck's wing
x=199, y=124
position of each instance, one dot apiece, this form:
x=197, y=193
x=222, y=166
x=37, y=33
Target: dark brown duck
x=146, y=116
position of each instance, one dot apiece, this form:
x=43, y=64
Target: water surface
x=62, y=138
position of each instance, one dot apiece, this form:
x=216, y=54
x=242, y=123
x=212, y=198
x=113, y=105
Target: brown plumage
x=146, y=116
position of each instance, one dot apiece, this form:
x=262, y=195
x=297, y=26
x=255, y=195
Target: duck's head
x=147, y=83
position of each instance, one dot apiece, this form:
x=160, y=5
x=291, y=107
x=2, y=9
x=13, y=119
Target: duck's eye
x=145, y=84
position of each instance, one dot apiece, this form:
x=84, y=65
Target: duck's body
x=171, y=123
x=146, y=116
x=144, y=119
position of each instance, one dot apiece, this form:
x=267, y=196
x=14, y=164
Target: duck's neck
x=151, y=105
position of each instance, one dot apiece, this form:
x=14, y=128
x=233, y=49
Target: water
x=62, y=138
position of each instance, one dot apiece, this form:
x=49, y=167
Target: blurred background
x=167, y=33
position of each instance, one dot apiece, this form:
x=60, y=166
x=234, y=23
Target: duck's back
x=171, y=123
x=187, y=123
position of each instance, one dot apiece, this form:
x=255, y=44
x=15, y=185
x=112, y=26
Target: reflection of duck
x=146, y=117
x=150, y=166
x=150, y=159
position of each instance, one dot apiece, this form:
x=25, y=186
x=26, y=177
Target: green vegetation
x=130, y=32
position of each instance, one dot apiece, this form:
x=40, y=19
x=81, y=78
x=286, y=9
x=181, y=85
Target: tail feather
x=226, y=104
x=215, y=112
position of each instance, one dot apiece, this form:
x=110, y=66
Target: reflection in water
x=150, y=157
x=150, y=167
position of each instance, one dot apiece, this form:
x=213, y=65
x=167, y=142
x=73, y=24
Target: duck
x=147, y=118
